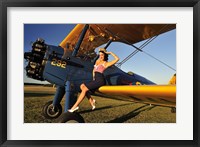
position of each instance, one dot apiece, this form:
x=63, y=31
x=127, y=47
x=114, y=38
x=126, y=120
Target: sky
x=162, y=48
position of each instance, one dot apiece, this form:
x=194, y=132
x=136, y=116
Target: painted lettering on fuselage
x=58, y=63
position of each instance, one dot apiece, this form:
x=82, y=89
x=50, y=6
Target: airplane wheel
x=69, y=117
x=51, y=112
x=173, y=110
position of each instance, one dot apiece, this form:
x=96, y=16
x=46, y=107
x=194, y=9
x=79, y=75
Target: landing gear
x=69, y=117
x=51, y=112
x=70, y=99
x=173, y=110
x=53, y=109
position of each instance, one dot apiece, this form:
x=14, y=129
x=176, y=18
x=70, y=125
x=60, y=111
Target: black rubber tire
x=69, y=117
x=48, y=111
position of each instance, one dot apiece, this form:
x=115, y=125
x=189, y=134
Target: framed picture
x=22, y=21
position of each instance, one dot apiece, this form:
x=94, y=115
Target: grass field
x=107, y=110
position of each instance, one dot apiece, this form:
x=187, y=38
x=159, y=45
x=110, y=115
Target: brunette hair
x=105, y=56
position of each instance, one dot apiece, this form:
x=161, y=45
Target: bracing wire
x=159, y=60
x=140, y=49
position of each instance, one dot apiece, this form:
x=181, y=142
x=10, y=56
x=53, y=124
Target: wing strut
x=80, y=40
x=109, y=42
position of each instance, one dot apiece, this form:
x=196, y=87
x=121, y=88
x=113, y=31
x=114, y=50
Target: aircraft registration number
x=58, y=63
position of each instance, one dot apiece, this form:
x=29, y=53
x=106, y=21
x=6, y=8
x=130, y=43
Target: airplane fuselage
x=58, y=70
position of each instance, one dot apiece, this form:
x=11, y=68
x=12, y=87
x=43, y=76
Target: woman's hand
x=108, y=53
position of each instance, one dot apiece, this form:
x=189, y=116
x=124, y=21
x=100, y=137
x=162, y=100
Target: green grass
x=107, y=110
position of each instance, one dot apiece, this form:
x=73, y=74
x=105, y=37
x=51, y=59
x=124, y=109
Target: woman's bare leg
x=81, y=96
x=90, y=99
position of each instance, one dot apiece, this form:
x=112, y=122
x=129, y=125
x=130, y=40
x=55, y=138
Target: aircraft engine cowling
x=35, y=59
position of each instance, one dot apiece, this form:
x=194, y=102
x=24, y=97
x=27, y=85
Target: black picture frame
x=4, y=4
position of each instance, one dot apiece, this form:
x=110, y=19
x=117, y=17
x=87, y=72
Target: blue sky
x=163, y=48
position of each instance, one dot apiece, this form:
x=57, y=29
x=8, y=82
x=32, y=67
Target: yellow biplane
x=71, y=63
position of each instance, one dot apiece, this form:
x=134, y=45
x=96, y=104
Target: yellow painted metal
x=173, y=80
x=99, y=34
x=72, y=35
x=168, y=91
x=154, y=94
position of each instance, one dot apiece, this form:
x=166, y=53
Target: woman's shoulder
x=97, y=62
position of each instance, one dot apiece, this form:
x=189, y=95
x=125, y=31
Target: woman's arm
x=108, y=64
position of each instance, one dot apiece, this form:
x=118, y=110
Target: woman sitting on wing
x=98, y=78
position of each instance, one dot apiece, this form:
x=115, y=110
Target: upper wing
x=153, y=94
x=99, y=34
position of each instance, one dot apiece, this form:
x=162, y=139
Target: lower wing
x=164, y=95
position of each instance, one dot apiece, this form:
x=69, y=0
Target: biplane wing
x=154, y=94
x=99, y=34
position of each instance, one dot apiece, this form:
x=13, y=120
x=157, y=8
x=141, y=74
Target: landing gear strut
x=53, y=109
x=71, y=96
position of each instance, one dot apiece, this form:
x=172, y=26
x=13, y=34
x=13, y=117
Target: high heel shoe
x=73, y=110
x=93, y=104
